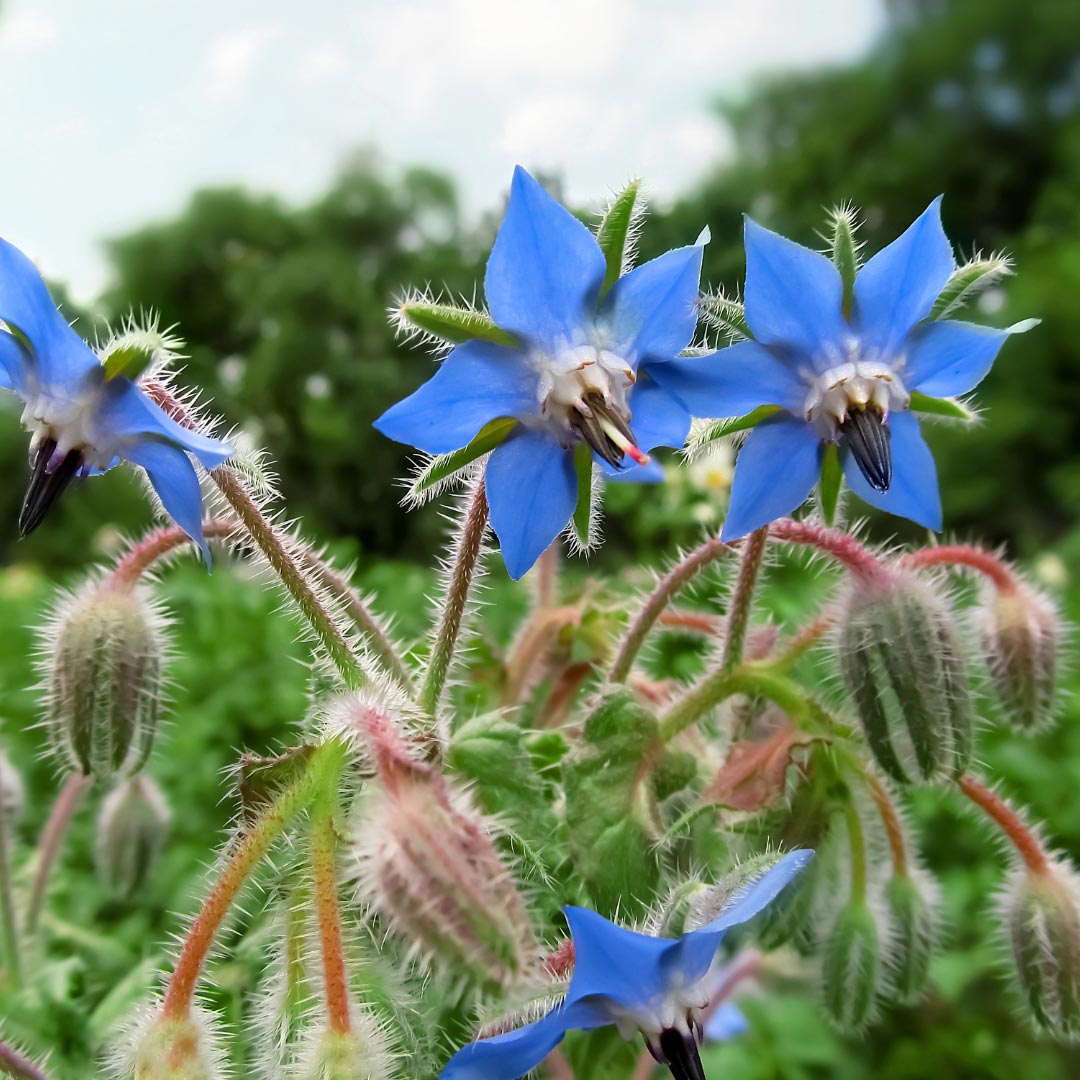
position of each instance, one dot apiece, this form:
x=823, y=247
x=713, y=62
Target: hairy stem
x=837, y=544
x=1006, y=819
x=52, y=839
x=324, y=768
x=10, y=950
x=14, y=1064
x=857, y=842
x=666, y=589
x=742, y=601
x=466, y=556
x=890, y=818
x=156, y=545
x=803, y=641
x=324, y=881
x=963, y=555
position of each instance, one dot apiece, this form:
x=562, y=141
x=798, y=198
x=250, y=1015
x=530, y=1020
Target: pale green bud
x=852, y=968
x=11, y=792
x=912, y=902
x=132, y=826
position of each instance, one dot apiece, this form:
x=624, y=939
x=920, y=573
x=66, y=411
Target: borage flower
x=83, y=412
x=841, y=380
x=657, y=986
x=578, y=367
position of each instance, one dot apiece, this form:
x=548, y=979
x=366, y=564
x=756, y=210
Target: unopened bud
x=428, y=863
x=360, y=1054
x=1041, y=915
x=851, y=968
x=159, y=1047
x=11, y=793
x=1020, y=636
x=912, y=902
x=105, y=680
x=901, y=661
x=132, y=826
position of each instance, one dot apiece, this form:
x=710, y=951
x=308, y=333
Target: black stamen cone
x=590, y=430
x=681, y=1055
x=46, y=487
x=870, y=441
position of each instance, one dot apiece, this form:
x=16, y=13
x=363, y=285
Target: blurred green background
x=284, y=308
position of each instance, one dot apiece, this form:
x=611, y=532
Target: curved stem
x=324, y=875
x=15, y=1065
x=803, y=640
x=857, y=841
x=1006, y=819
x=156, y=545
x=890, y=818
x=52, y=839
x=837, y=544
x=742, y=600
x=666, y=588
x=971, y=557
x=468, y=547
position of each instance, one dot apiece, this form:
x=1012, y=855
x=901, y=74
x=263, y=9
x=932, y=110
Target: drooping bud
x=901, y=661
x=361, y=1054
x=158, y=1047
x=913, y=905
x=1041, y=916
x=132, y=826
x=851, y=967
x=1020, y=633
x=428, y=863
x=11, y=793
x=105, y=683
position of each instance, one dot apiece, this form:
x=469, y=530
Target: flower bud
x=1041, y=915
x=158, y=1047
x=428, y=864
x=105, y=680
x=132, y=826
x=902, y=665
x=912, y=904
x=11, y=793
x=851, y=968
x=1020, y=634
x=360, y=1054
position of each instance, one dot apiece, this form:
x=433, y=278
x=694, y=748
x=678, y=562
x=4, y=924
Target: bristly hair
x=639, y=211
x=164, y=348
x=411, y=334
x=585, y=545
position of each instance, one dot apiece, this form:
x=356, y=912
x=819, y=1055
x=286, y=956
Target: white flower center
x=679, y=1009
x=569, y=379
x=71, y=422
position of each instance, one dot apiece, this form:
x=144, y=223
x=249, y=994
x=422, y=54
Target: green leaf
x=616, y=232
x=128, y=361
x=443, y=467
x=967, y=281
x=843, y=224
x=611, y=804
x=933, y=406
x=585, y=520
x=724, y=314
x=714, y=430
x=829, y=486
x=453, y=324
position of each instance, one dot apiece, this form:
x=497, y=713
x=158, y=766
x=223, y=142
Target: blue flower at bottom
x=585, y=370
x=80, y=420
x=658, y=986
x=840, y=380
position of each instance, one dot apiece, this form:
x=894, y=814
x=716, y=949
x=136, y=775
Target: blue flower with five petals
x=658, y=986
x=841, y=380
x=586, y=369
x=81, y=418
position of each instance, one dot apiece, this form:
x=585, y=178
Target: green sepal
x=583, y=524
x=829, y=485
x=944, y=406
x=719, y=429
x=454, y=324
x=845, y=252
x=616, y=232
x=128, y=361
x=261, y=779
x=443, y=467
x=967, y=281
x=724, y=314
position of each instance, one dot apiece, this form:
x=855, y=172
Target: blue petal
x=897, y=288
x=61, y=357
x=697, y=949
x=14, y=365
x=511, y=1055
x=658, y=418
x=913, y=492
x=948, y=358
x=532, y=491
x=614, y=963
x=793, y=295
x=173, y=478
x=653, y=473
x=733, y=381
x=545, y=269
x=476, y=383
x=651, y=312
x=126, y=411
x=726, y=1023
x=775, y=471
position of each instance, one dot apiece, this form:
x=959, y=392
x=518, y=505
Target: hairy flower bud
x=851, y=967
x=1020, y=634
x=360, y=1054
x=912, y=903
x=429, y=865
x=1041, y=915
x=11, y=792
x=158, y=1047
x=105, y=680
x=903, y=667
x=132, y=826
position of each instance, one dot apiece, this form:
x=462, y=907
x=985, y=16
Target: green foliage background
x=284, y=309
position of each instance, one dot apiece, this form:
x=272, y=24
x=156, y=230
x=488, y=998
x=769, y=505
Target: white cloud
x=27, y=31
x=231, y=60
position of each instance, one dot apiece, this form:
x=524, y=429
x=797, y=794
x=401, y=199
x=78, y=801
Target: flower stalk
x=743, y=598
x=1020, y=836
x=15, y=1065
x=963, y=555
x=328, y=917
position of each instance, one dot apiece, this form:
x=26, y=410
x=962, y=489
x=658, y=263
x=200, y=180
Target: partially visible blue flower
x=658, y=986
x=82, y=422
x=840, y=380
x=586, y=369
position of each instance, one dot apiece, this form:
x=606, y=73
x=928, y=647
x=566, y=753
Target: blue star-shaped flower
x=658, y=986
x=585, y=369
x=839, y=380
x=80, y=420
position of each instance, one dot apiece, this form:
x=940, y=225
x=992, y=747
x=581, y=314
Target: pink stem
x=839, y=545
x=962, y=555
x=52, y=839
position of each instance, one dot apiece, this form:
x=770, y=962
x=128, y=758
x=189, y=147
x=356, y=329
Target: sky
x=114, y=111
